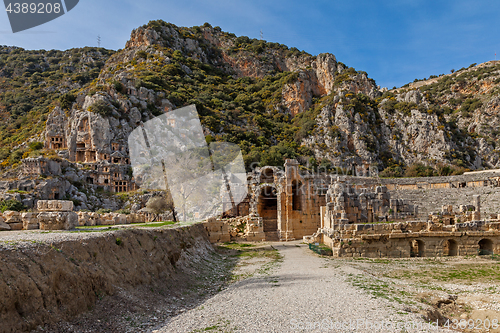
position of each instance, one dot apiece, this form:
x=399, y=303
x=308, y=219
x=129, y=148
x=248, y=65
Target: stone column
x=476, y=199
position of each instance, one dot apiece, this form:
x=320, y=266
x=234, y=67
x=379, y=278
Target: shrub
x=119, y=87
x=101, y=108
x=11, y=204
x=419, y=170
x=391, y=172
x=35, y=145
x=104, y=211
x=16, y=156
x=76, y=202
x=142, y=54
x=67, y=100
x=469, y=105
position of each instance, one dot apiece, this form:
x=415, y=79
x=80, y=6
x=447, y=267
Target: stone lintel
x=54, y=205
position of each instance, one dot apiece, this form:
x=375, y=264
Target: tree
x=35, y=145
x=67, y=100
x=159, y=205
x=186, y=179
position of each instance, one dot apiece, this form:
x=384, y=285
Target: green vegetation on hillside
x=245, y=111
x=250, y=111
x=33, y=82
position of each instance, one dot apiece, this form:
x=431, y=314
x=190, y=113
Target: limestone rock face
x=57, y=220
x=297, y=96
x=55, y=205
x=88, y=128
x=325, y=67
x=55, y=126
x=142, y=37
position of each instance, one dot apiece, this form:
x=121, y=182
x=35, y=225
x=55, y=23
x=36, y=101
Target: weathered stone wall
x=217, y=231
x=431, y=200
x=408, y=239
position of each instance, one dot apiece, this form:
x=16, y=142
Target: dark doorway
x=268, y=208
x=296, y=195
x=485, y=247
x=450, y=248
x=417, y=248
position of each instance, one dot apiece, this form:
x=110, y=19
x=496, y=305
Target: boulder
x=3, y=225
x=12, y=217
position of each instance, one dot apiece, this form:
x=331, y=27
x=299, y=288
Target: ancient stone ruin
x=13, y=220
x=346, y=205
x=56, y=215
x=446, y=233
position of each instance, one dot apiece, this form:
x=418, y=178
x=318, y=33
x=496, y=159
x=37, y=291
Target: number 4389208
x=33, y=8
x=472, y=324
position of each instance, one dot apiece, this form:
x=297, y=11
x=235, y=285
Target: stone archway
x=267, y=175
x=450, y=248
x=485, y=247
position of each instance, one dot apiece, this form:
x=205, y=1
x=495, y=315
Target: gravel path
x=301, y=295
x=22, y=236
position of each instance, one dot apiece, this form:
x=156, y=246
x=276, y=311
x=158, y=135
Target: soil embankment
x=47, y=281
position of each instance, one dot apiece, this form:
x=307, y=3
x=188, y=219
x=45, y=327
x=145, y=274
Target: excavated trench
x=45, y=282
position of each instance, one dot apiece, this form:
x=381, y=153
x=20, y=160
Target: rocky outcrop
x=325, y=68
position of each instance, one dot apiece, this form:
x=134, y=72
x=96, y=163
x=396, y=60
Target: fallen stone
x=3, y=225
x=12, y=216
x=30, y=221
x=16, y=226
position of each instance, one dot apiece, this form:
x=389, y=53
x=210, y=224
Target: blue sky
x=394, y=41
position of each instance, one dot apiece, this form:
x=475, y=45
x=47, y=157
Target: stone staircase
x=272, y=236
x=271, y=229
x=431, y=200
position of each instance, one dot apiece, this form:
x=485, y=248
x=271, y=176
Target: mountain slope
x=32, y=82
x=277, y=102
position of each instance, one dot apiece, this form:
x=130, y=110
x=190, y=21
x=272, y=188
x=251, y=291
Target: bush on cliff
x=11, y=204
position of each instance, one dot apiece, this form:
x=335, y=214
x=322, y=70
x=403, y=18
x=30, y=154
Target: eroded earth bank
x=103, y=281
